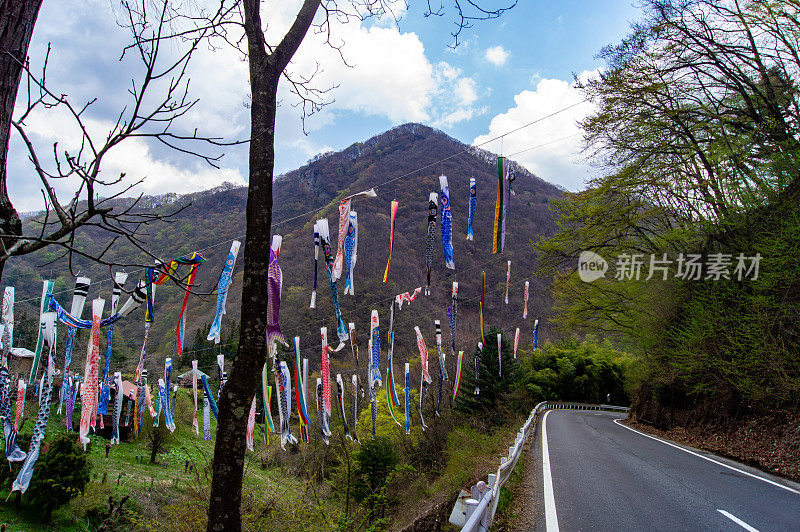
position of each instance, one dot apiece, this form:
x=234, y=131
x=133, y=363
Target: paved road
x=605, y=476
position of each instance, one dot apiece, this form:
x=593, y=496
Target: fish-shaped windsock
x=501, y=206
x=499, y=354
x=344, y=217
x=375, y=350
x=340, y=400
x=430, y=241
x=118, y=395
x=206, y=419
x=324, y=239
x=350, y=252
x=326, y=375
x=91, y=370
x=451, y=317
x=478, y=354
x=13, y=452
x=446, y=223
x=508, y=279
x=423, y=390
x=457, y=381
x=105, y=383
x=313, y=303
x=223, y=285
x=353, y=345
x=473, y=204
x=535, y=334
x=251, y=426
x=407, y=390
x=274, y=284
x=389, y=399
x=299, y=386
x=516, y=343
x=324, y=420
x=169, y=420
x=407, y=297
x=284, y=385
x=525, y=301
x=442, y=360
x=423, y=355
x=266, y=399
x=355, y=407
x=393, y=217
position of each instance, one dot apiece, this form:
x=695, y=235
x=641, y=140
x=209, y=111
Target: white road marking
x=549, y=502
x=768, y=481
x=738, y=521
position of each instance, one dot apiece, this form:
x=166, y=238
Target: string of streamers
x=407, y=392
x=473, y=204
x=499, y=235
x=393, y=217
x=224, y=284
x=105, y=390
x=45, y=392
x=457, y=380
x=274, y=285
x=508, y=279
x=344, y=218
x=350, y=252
x=284, y=387
x=447, y=223
x=430, y=241
x=324, y=238
x=525, y=301
x=340, y=400
x=89, y=395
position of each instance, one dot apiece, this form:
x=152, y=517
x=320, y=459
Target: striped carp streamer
x=266, y=399
x=13, y=452
x=118, y=395
x=274, y=285
x=313, y=303
x=375, y=351
x=393, y=217
x=430, y=240
x=457, y=381
x=473, y=204
x=251, y=426
x=501, y=205
x=535, y=334
x=451, y=317
x=344, y=219
x=525, y=301
x=23, y=479
x=326, y=384
x=406, y=297
x=223, y=286
x=169, y=421
x=442, y=365
x=324, y=238
x=194, y=396
x=89, y=395
x=390, y=374
x=355, y=406
x=284, y=387
x=105, y=390
x=350, y=252
x=516, y=343
x=21, y=387
x=340, y=400
x=78, y=302
x=47, y=289
x=407, y=391
x=499, y=354
x=389, y=399
x=324, y=427
x=508, y=279
x=483, y=291
x=446, y=223
x=478, y=355
x=221, y=369
x=299, y=388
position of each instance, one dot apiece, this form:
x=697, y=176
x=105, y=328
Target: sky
x=504, y=73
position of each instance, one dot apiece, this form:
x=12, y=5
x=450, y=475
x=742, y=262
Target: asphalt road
x=605, y=476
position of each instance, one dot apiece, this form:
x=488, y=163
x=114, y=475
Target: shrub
x=61, y=474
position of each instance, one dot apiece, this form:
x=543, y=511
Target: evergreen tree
x=62, y=473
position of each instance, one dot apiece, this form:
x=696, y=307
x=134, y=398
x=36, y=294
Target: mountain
x=402, y=164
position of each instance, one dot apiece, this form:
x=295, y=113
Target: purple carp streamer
x=344, y=218
x=447, y=223
x=284, y=386
x=206, y=419
x=350, y=252
x=324, y=421
x=508, y=279
x=457, y=381
x=430, y=241
x=324, y=237
x=274, y=284
x=355, y=407
x=407, y=391
x=118, y=395
x=45, y=391
x=375, y=351
x=313, y=303
x=105, y=391
x=473, y=204
x=478, y=355
x=223, y=286
x=340, y=399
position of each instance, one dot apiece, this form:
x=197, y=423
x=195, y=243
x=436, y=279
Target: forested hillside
x=403, y=164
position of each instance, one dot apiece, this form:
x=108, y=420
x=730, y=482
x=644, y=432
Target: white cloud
x=496, y=55
x=558, y=161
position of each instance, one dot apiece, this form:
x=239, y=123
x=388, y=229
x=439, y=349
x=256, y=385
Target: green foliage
x=375, y=459
x=61, y=474
x=576, y=371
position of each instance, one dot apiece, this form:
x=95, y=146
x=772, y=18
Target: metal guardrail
x=474, y=511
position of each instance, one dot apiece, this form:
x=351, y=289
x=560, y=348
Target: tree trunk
x=17, y=19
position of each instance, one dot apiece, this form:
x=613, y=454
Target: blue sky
x=505, y=73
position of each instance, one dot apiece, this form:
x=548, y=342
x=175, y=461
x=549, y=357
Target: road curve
x=605, y=476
